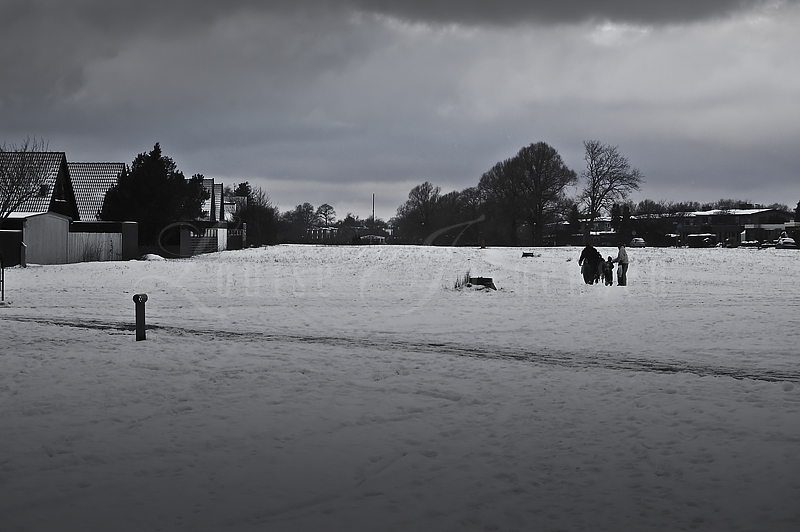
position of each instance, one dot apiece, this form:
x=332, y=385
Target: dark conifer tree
x=154, y=193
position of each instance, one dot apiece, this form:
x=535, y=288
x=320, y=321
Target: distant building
x=698, y=228
x=234, y=205
x=323, y=234
x=733, y=226
x=213, y=207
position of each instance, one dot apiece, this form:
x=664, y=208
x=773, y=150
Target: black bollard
x=140, y=300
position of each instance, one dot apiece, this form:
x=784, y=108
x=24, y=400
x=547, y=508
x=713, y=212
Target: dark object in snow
x=140, y=300
x=591, y=263
x=608, y=271
x=527, y=254
x=483, y=281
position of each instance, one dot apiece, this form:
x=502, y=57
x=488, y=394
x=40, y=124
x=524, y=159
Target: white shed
x=45, y=235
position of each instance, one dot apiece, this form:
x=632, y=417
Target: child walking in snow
x=608, y=271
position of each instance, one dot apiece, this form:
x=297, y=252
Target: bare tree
x=326, y=214
x=23, y=172
x=304, y=216
x=609, y=178
x=260, y=215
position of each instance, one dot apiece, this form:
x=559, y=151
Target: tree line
x=519, y=199
x=524, y=200
x=267, y=225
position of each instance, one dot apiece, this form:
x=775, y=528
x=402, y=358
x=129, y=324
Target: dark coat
x=592, y=263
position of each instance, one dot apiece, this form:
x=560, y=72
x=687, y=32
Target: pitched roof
x=91, y=181
x=51, y=165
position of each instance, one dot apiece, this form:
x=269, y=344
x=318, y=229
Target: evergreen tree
x=575, y=219
x=154, y=193
x=616, y=217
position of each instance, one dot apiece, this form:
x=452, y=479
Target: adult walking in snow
x=622, y=270
x=591, y=264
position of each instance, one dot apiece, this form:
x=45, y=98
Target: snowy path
x=547, y=357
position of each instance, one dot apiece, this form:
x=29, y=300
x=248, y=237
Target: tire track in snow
x=545, y=356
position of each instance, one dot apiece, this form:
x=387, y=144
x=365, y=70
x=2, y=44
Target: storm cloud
x=516, y=11
x=333, y=101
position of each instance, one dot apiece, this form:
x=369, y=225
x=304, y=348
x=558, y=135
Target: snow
x=301, y=388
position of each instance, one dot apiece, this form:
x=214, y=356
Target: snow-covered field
x=300, y=388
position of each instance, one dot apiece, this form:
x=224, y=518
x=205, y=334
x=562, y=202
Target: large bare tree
x=23, y=171
x=609, y=178
x=326, y=214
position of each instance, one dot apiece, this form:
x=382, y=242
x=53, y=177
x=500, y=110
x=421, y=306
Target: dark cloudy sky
x=332, y=101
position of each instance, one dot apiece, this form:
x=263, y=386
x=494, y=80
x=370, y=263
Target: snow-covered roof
x=732, y=212
x=22, y=215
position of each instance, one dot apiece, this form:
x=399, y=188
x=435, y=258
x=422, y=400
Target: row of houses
x=60, y=223
x=731, y=227
x=347, y=235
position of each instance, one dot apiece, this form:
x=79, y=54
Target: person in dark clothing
x=608, y=271
x=591, y=263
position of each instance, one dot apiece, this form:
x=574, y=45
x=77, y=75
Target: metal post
x=140, y=300
x=2, y=279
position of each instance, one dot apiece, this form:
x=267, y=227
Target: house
x=37, y=230
x=60, y=224
x=91, y=239
x=733, y=226
x=207, y=234
x=56, y=193
x=50, y=228
x=323, y=234
x=237, y=230
x=210, y=232
x=233, y=206
x=90, y=182
x=697, y=229
x=372, y=239
x=213, y=207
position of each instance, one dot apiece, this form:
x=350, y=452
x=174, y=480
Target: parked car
x=786, y=242
x=638, y=243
